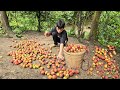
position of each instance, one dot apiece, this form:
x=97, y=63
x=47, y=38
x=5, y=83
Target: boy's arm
x=61, y=48
x=62, y=41
x=52, y=30
x=49, y=33
x=60, y=54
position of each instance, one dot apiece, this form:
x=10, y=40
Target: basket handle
x=87, y=52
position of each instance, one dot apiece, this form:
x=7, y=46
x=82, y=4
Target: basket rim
x=75, y=53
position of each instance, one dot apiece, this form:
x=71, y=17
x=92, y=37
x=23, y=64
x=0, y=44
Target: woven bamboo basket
x=74, y=60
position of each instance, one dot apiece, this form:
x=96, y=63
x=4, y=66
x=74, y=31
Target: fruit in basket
x=67, y=49
x=74, y=48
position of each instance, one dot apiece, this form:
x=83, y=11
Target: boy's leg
x=55, y=39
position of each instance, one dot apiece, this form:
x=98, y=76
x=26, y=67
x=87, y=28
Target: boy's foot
x=53, y=45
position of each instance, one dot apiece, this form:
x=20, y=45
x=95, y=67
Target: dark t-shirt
x=63, y=35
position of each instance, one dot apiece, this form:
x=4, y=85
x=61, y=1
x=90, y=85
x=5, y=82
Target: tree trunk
x=94, y=25
x=5, y=23
x=38, y=14
x=74, y=17
x=79, y=23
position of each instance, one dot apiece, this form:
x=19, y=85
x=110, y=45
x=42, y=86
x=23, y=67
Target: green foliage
x=54, y=16
x=45, y=26
x=17, y=30
x=22, y=20
x=71, y=32
x=87, y=16
x=27, y=20
x=109, y=28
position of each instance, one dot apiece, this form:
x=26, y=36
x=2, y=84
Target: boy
x=59, y=37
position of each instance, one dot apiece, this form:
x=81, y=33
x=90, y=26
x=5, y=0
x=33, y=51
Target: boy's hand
x=60, y=57
x=47, y=34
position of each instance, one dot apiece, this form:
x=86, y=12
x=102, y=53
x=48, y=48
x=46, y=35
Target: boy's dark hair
x=60, y=24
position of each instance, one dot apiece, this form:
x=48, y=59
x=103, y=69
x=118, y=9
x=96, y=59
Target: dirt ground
x=10, y=71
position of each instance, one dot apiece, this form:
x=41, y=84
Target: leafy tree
x=109, y=28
